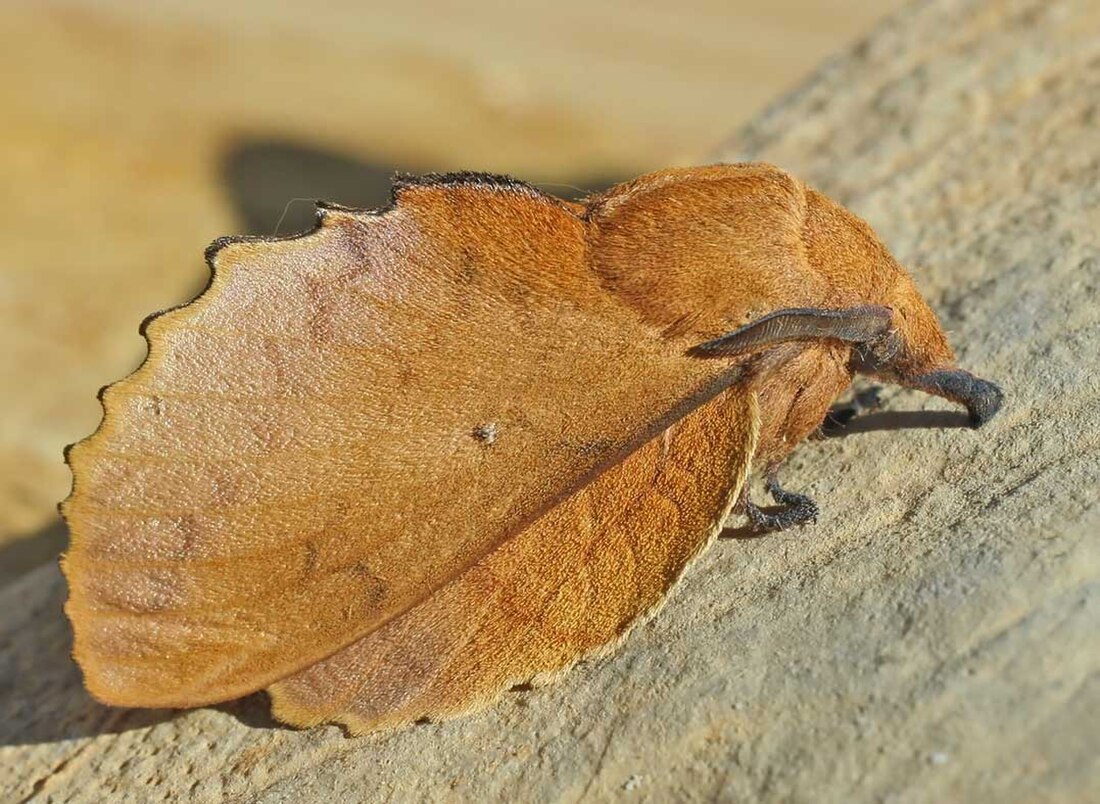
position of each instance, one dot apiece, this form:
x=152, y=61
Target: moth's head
x=915, y=352
x=915, y=342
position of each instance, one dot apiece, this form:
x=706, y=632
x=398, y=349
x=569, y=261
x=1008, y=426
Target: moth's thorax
x=704, y=251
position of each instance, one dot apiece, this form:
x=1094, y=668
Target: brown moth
x=388, y=468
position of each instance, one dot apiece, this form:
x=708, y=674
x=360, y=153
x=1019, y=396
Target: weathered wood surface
x=934, y=638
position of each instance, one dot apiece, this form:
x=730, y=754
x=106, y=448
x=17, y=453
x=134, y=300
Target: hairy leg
x=840, y=415
x=981, y=398
x=798, y=509
x=794, y=397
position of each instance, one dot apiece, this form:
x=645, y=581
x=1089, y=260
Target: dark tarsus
x=799, y=509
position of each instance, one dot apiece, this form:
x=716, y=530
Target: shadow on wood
x=889, y=420
x=273, y=184
x=24, y=553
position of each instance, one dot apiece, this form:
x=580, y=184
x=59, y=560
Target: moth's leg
x=839, y=415
x=763, y=522
x=981, y=398
x=794, y=397
x=798, y=509
x=928, y=367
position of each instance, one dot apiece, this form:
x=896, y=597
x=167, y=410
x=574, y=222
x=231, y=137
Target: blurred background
x=133, y=134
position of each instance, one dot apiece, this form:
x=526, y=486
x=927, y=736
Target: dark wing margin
x=850, y=325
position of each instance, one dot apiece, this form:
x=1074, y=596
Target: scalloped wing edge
x=400, y=183
x=148, y=329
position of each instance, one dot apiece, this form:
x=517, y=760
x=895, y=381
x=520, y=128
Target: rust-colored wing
x=344, y=424
x=572, y=582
